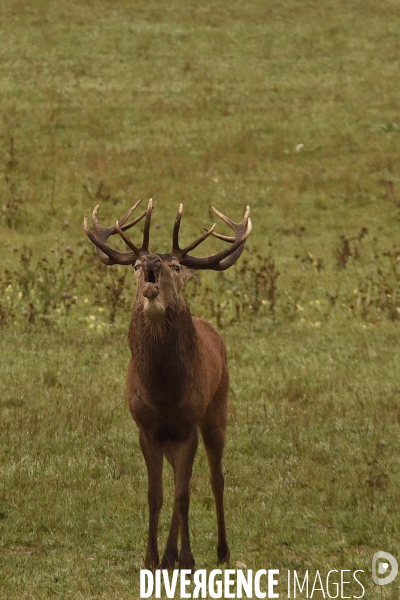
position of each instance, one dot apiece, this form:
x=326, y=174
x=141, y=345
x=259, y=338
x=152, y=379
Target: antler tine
x=99, y=229
x=230, y=238
x=229, y=221
x=95, y=221
x=146, y=230
x=225, y=238
x=146, y=233
x=175, y=233
x=127, y=241
x=222, y=260
x=128, y=214
x=176, y=249
x=108, y=255
x=199, y=240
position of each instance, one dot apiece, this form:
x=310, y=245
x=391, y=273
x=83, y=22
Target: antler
x=108, y=255
x=222, y=260
x=217, y=262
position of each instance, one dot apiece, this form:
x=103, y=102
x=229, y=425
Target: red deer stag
x=178, y=376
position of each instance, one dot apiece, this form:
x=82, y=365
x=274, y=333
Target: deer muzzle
x=152, y=266
x=150, y=291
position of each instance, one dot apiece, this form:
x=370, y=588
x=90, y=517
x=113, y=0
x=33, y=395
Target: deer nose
x=152, y=262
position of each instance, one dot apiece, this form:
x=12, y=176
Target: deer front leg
x=153, y=456
x=181, y=456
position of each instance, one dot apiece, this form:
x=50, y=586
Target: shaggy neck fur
x=164, y=347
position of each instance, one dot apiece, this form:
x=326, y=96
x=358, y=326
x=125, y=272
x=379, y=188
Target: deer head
x=160, y=276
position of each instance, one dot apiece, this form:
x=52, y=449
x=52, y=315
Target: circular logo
x=381, y=573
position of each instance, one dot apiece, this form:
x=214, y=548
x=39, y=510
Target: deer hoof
x=151, y=563
x=168, y=560
x=186, y=562
x=223, y=554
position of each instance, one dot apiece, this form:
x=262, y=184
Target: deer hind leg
x=213, y=433
x=181, y=456
x=153, y=456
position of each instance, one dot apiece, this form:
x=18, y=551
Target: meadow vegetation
x=291, y=107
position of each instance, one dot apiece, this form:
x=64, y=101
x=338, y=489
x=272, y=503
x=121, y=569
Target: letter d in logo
x=383, y=568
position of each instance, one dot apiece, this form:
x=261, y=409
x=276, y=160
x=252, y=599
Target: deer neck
x=164, y=349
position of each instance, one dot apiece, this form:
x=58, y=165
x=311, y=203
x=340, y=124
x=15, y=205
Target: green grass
x=311, y=459
x=289, y=107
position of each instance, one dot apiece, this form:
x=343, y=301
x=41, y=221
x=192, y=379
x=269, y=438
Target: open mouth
x=151, y=277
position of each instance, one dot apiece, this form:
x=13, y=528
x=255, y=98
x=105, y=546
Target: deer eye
x=175, y=268
x=137, y=267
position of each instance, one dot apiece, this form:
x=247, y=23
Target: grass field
x=291, y=107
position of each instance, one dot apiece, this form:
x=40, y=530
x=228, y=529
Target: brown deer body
x=177, y=379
